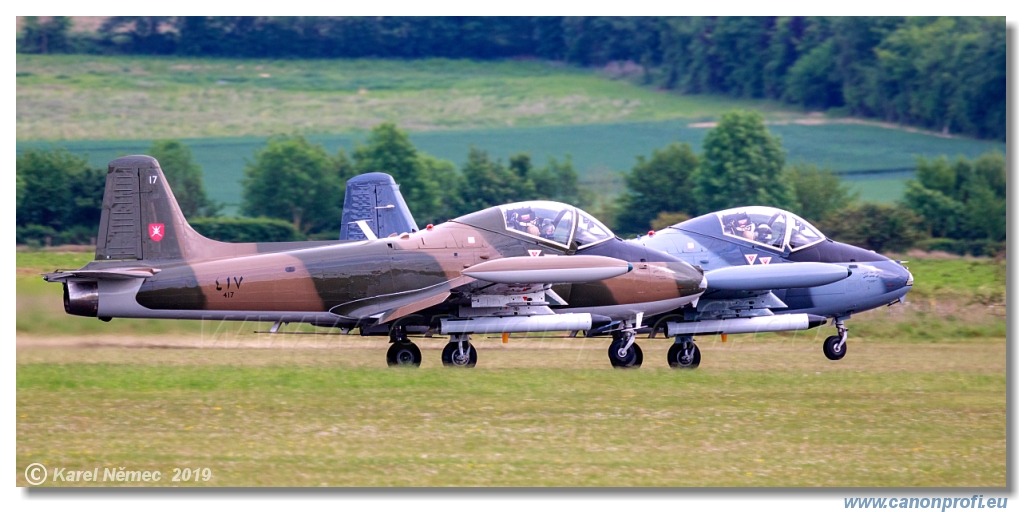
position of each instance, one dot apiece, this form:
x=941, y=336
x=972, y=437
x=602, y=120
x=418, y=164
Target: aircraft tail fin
x=141, y=219
x=373, y=200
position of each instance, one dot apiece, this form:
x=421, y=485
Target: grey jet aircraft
x=770, y=270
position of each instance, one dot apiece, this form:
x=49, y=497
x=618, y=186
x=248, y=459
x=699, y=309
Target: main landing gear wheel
x=684, y=354
x=623, y=353
x=834, y=347
x=459, y=352
x=404, y=353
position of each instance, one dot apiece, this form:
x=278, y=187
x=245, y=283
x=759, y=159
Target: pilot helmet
x=735, y=219
x=547, y=227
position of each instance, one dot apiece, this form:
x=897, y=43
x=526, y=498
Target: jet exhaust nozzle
x=81, y=298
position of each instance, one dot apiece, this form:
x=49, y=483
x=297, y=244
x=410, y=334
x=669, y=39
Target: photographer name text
x=38, y=474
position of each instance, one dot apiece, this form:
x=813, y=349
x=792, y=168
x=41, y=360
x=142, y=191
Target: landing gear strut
x=403, y=352
x=459, y=352
x=624, y=352
x=835, y=346
x=684, y=353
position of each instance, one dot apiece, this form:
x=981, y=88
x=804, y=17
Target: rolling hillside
x=105, y=107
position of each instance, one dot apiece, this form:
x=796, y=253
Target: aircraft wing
x=381, y=305
x=492, y=284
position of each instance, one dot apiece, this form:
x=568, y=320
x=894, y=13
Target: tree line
x=294, y=189
x=956, y=206
x=299, y=181
x=941, y=73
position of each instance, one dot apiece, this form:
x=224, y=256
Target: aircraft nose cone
x=897, y=276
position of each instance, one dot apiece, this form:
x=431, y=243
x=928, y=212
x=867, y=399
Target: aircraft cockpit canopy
x=556, y=222
x=772, y=227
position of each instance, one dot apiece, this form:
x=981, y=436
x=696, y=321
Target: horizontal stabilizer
x=548, y=269
x=771, y=277
x=110, y=273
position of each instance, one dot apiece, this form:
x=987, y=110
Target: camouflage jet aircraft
x=770, y=270
x=740, y=250
x=524, y=267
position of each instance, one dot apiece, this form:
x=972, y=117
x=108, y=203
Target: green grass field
x=144, y=98
x=919, y=401
x=106, y=107
x=757, y=415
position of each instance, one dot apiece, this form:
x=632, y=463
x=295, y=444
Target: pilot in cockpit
x=742, y=225
x=739, y=225
x=547, y=229
x=523, y=220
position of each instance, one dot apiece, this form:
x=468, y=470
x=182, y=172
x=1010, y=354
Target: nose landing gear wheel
x=684, y=355
x=404, y=354
x=834, y=347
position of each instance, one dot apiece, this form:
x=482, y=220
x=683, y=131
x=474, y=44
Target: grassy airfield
x=759, y=413
x=919, y=401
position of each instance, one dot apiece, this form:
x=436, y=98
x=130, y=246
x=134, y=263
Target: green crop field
x=874, y=160
x=143, y=98
x=106, y=107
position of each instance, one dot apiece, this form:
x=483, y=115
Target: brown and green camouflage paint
x=142, y=226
